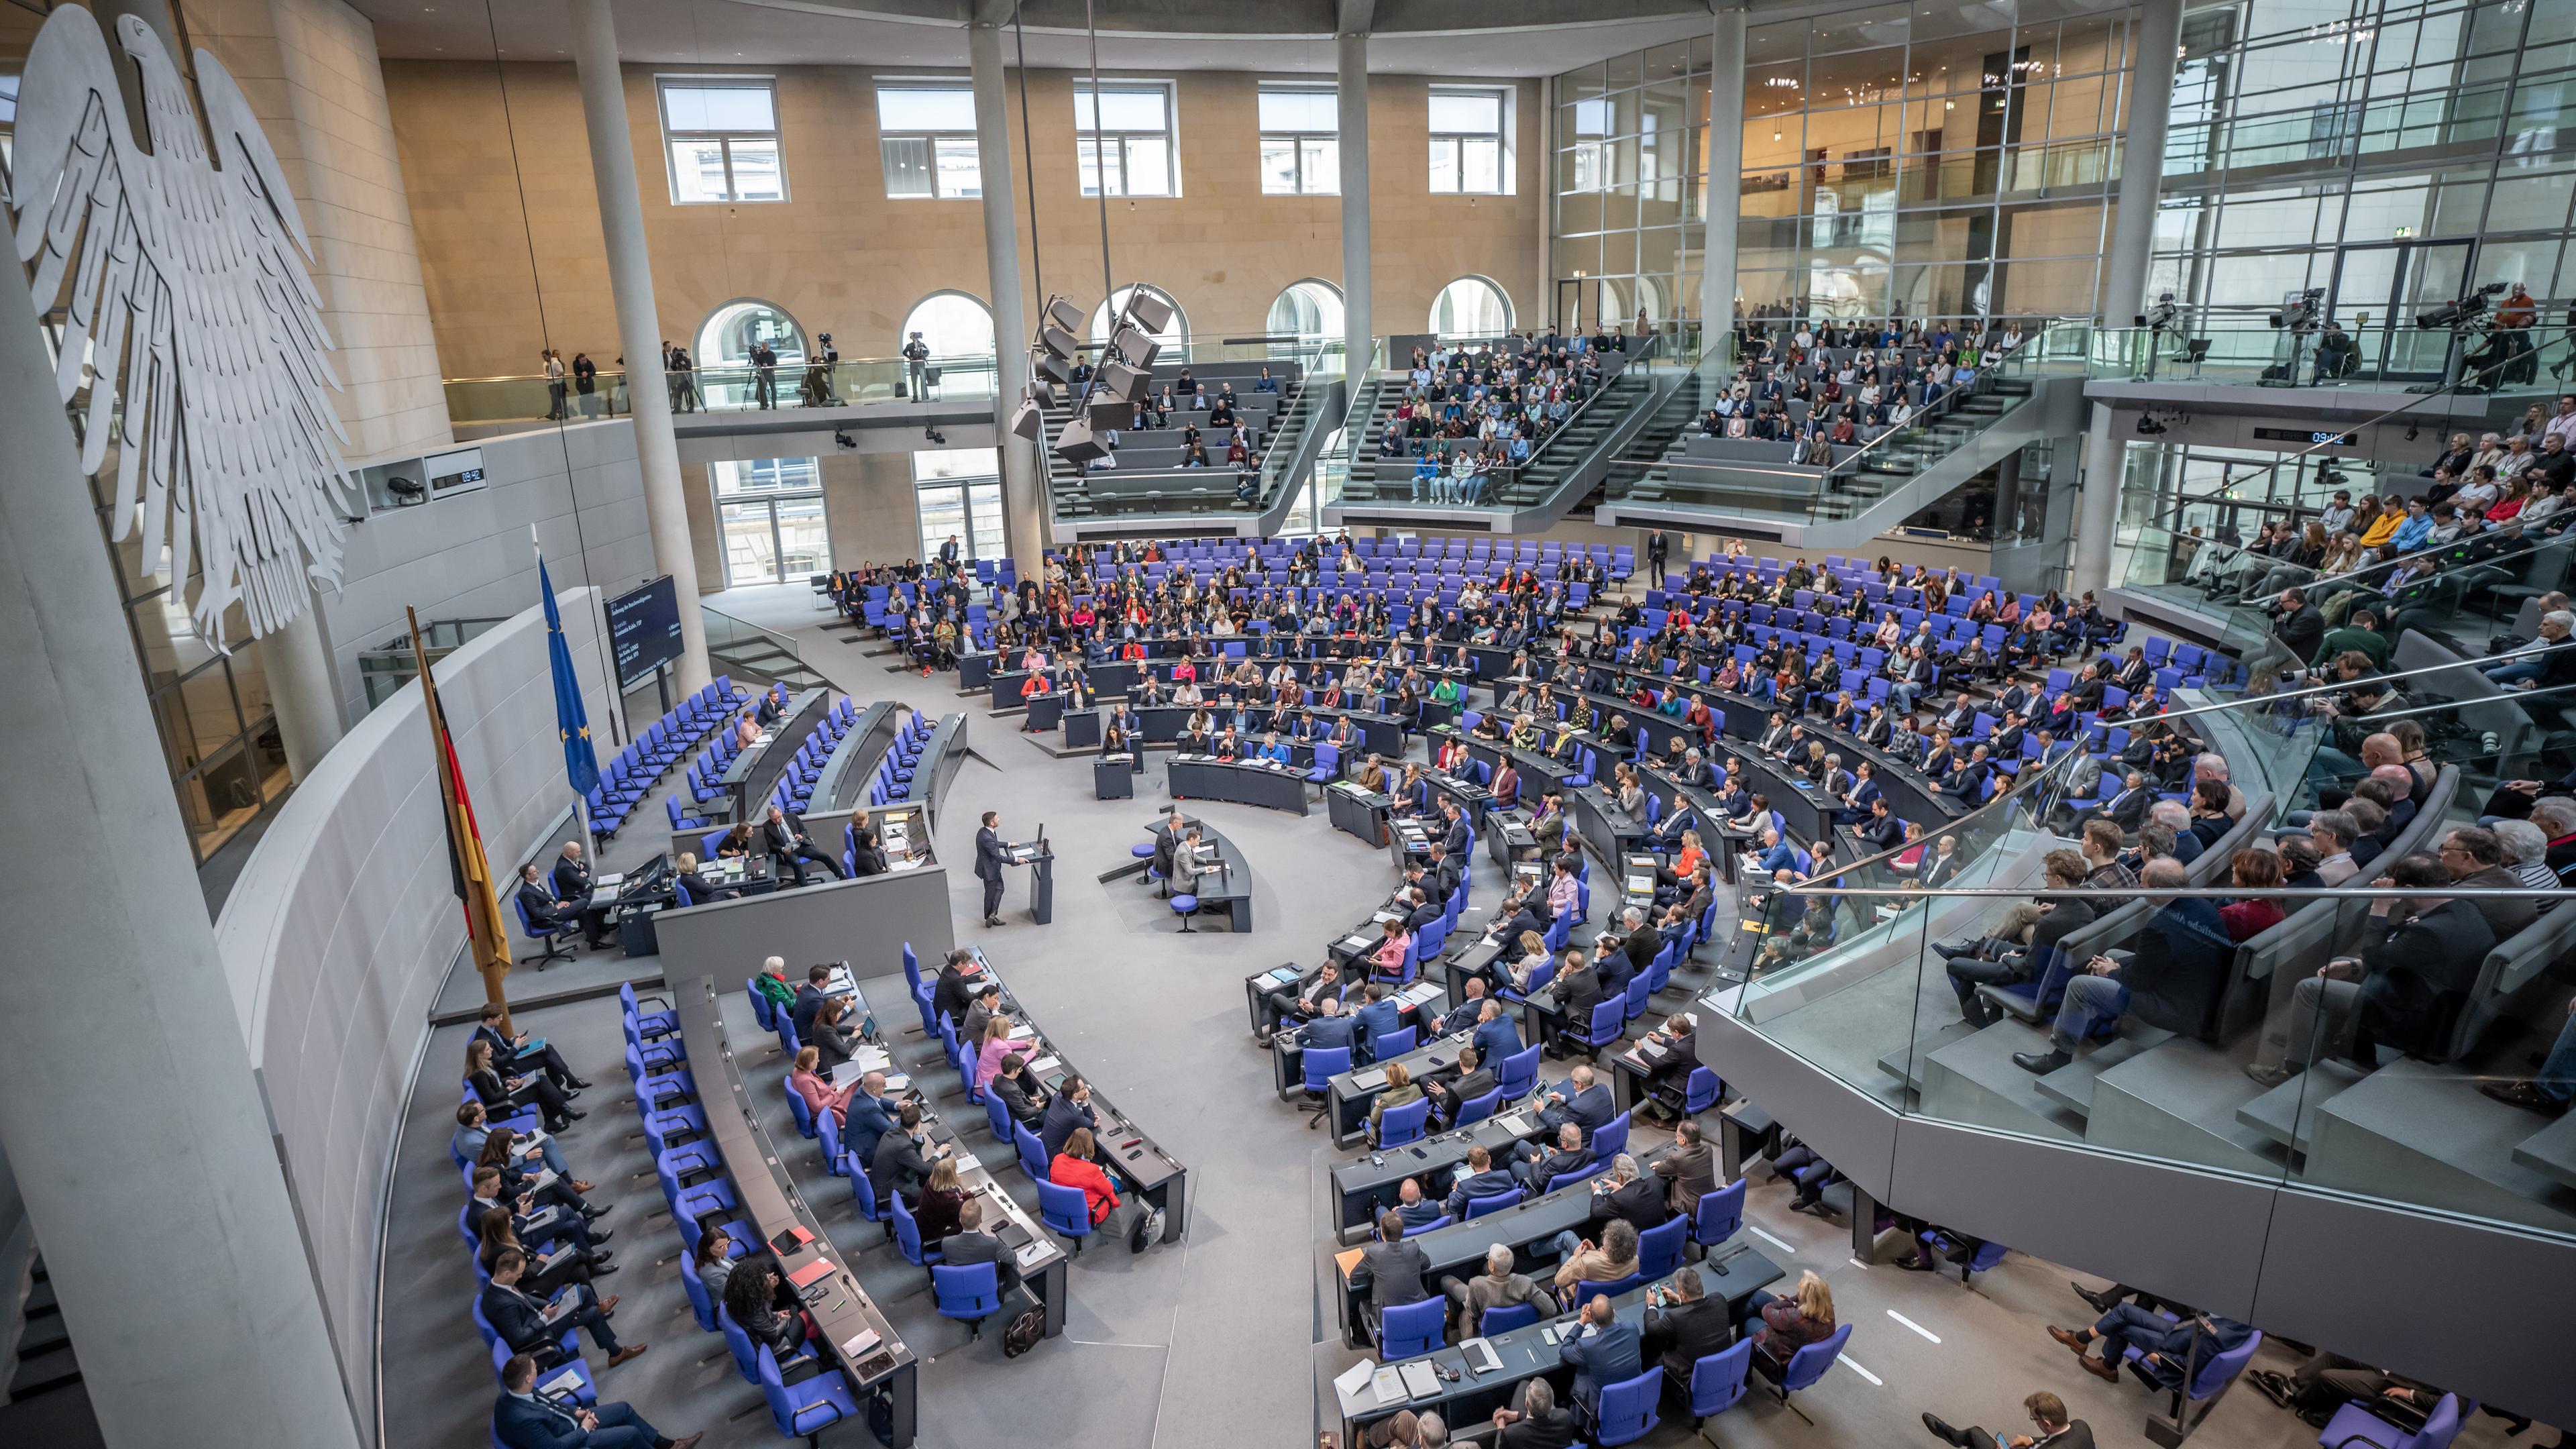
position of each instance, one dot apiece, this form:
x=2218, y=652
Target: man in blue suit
x=1070, y=1109
x=1329, y=1029
x=1603, y=1351
x=2164, y=1347
x=1496, y=1038
x=1578, y=1099
x=1379, y=1017
x=1777, y=854
x=519, y=1318
x=521, y=1420
x=869, y=1117
x=1479, y=1178
x=1467, y=1012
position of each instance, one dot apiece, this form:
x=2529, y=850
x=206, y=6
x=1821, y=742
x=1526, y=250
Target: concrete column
x=1359, y=327
x=145, y=1159
x=639, y=331
x=1725, y=176
x=2124, y=273
x=297, y=661
x=1024, y=501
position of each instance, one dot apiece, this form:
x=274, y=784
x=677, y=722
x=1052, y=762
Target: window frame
x=1297, y=140
x=887, y=133
x=776, y=135
x=1504, y=121
x=1090, y=136
x=970, y=489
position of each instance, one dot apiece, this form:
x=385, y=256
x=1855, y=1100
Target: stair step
x=44, y=1373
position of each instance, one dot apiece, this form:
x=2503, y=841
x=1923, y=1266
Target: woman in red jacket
x=1073, y=1167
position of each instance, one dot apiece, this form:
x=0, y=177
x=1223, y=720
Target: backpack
x=1023, y=1332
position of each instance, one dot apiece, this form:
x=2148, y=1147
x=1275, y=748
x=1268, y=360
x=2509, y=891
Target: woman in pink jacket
x=997, y=1048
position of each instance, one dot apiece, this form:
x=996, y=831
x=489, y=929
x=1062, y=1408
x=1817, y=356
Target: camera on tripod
x=2300, y=310
x=2469, y=314
x=2160, y=317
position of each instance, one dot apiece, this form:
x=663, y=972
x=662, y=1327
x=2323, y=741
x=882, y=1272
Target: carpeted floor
x=1211, y=1341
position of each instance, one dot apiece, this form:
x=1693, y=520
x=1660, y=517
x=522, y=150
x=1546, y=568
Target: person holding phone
x=2049, y=1426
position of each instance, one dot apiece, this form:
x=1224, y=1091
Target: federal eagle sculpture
x=189, y=303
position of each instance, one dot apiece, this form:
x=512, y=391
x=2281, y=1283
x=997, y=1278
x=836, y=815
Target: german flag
x=469, y=871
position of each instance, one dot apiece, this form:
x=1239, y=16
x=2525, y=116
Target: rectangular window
x=960, y=495
x=721, y=135
x=1126, y=139
x=926, y=133
x=1467, y=141
x=769, y=512
x=1301, y=148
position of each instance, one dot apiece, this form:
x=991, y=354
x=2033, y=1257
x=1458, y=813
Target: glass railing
x=2236, y=348
x=761, y=653
x=1757, y=478
x=1952, y=981
x=483, y=401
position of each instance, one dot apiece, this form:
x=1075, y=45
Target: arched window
x=1176, y=335
x=725, y=338
x=1471, y=307
x=1311, y=308
x=951, y=324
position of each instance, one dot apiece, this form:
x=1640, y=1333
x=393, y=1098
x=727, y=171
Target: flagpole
x=580, y=802
x=493, y=965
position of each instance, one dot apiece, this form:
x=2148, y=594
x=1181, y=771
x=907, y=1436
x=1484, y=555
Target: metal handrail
x=700, y=369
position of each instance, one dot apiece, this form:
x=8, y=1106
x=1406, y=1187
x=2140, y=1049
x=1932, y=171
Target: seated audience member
x=766, y=1310
x=1390, y=1270
x=1537, y=1423
x=1474, y=1080
x=807, y=1081
x=526, y=1419
x=474, y=1128
x=2049, y=1425
x=522, y=1050
x=1075, y=1167
x=2165, y=1346
x=1499, y=1286
x=508, y=1095
x=2255, y=869
x=1478, y=1178
x=2170, y=978
x=905, y=1155
x=1602, y=1351
x=1570, y=1155
x=1779, y=1327
x=1683, y=1326
x=970, y=1244
x=1400, y=1090
x=519, y=1318
x=2418, y=952
x=1024, y=1095
x=2475, y=860
x=2001, y=959
x=1581, y=1099
x=1688, y=1166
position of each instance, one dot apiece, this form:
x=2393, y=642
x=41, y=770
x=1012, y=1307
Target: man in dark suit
x=1419, y=910
x=868, y=1118
x=970, y=1244
x=809, y=1001
x=1636, y=1198
x=1380, y=1016
x=1603, y=1351
x=957, y=985
x=1579, y=1099
x=1480, y=1178
x=789, y=847
x=905, y=1154
x=2128, y=807
x=1684, y=1326
x=1414, y=1208
x=1285, y=1008
x=521, y=1320
x=1391, y=1270
x=522, y=1419
x=1070, y=1109
x=1474, y=1080
x=1968, y=781
x=1570, y=1155
x=2418, y=953
x=509, y=1053
x=701, y=890
x=1455, y=838
x=2164, y=1346
x=1330, y=1030
x=2050, y=1428
x=988, y=865
x=545, y=910
x=1882, y=829
x=1578, y=989
x=1465, y=1015
x=572, y=886
x=566, y=1216
x=1496, y=1037
x=2170, y=980
x=1442, y=872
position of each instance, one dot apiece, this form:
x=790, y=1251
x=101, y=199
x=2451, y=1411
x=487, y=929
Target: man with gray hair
x=2174, y=816
x=1581, y=1099
x=2210, y=765
x=2332, y=832
x=1631, y=1194
x=1498, y=1287
x=2524, y=667
x=2526, y=853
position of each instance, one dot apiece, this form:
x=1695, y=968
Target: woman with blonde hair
x=1400, y=1089
x=1779, y=1327
x=941, y=1197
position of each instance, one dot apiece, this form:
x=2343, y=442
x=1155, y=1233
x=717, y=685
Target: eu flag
x=581, y=766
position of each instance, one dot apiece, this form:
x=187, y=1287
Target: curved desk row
x=940, y=756
x=843, y=780
x=1161, y=724
x=854, y=1332
x=757, y=770
x=1204, y=777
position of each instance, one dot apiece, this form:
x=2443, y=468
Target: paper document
x=1350, y=1380
x=897, y=1081
x=1034, y=1251
x=1044, y=1065
x=1517, y=1125
x=859, y=1343
x=968, y=1162
x=569, y=1381
x=1388, y=1384
x=1419, y=1380
x=608, y=882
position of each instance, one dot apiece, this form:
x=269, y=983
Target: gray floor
x=1209, y=1341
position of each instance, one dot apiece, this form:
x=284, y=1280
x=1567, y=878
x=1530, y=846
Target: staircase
x=754, y=655
x=47, y=1402
x=1279, y=452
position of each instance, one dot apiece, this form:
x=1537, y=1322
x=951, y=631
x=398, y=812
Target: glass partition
x=2343, y=986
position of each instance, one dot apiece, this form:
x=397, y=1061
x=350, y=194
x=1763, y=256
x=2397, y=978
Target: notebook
x=812, y=1273
x=1420, y=1381
x=1369, y=1081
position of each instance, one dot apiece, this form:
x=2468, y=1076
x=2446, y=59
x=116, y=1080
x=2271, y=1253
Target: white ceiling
x=745, y=32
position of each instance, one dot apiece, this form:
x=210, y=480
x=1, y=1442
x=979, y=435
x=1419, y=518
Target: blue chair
x=1186, y=907
x=1659, y=1249
x=1609, y=1024
x=2354, y=1424
x=699, y=1303
x=1587, y=1290
x=1626, y=1412
x=2211, y=1380
x=1569, y=1179
x=1407, y=1330
x=970, y=1292
x=1065, y=1211
x=762, y=1009
x=1434, y=1225
x=1610, y=1138
x=1322, y=1064
x=1718, y=1216
x=864, y=1192
x=1477, y=1109
x=1032, y=1151
x=1397, y=1126
x=1701, y=1092
x=544, y=936
x=1478, y=1207
x=805, y=1409
x=1387, y=1046
x=907, y=1236
x=997, y=1117
x=1809, y=1364
x=796, y=1107
x=1717, y=1381
x=649, y=1026
x=1518, y=1074
x=827, y=1130
x=1504, y=1320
